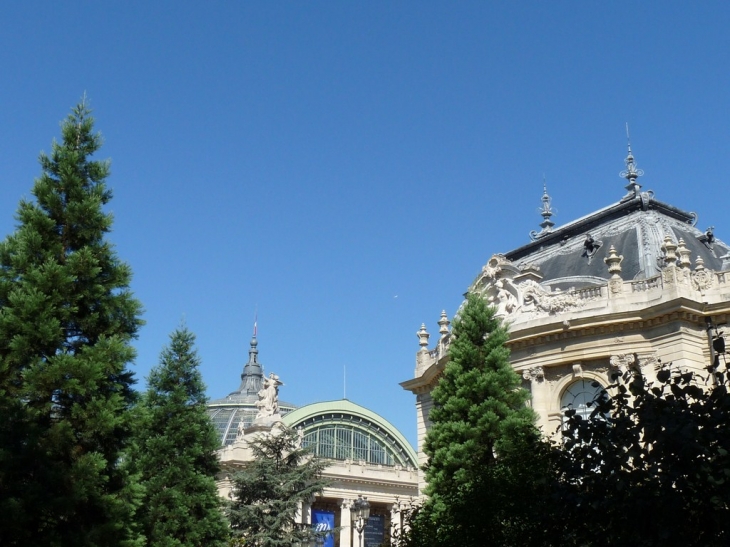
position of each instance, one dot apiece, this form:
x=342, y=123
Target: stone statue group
x=268, y=403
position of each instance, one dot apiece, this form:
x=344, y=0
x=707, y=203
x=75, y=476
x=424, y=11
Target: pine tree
x=175, y=453
x=480, y=430
x=67, y=318
x=268, y=492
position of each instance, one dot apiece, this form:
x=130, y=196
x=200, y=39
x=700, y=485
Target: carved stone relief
x=498, y=287
x=534, y=374
x=702, y=278
x=623, y=363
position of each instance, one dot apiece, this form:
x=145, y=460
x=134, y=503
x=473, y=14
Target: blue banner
x=323, y=521
x=375, y=531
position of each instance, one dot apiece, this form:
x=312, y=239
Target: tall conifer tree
x=480, y=429
x=267, y=492
x=174, y=453
x=67, y=318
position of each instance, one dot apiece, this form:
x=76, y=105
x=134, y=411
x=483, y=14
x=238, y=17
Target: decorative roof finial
x=631, y=173
x=546, y=211
x=444, y=324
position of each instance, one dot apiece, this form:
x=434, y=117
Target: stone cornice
x=684, y=310
x=426, y=381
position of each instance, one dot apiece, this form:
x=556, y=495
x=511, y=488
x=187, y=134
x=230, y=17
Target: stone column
x=345, y=523
x=306, y=513
x=424, y=404
x=395, y=521
x=538, y=390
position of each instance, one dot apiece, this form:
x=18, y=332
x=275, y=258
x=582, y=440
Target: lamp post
x=360, y=512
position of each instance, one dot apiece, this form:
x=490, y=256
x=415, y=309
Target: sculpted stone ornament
x=702, y=278
x=497, y=285
x=492, y=268
x=268, y=403
x=622, y=363
x=535, y=298
x=534, y=374
x=506, y=301
x=613, y=261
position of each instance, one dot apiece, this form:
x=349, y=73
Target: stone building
x=237, y=410
x=366, y=455
x=633, y=286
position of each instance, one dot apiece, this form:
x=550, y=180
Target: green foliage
x=268, y=491
x=480, y=481
x=67, y=317
x=175, y=453
x=650, y=467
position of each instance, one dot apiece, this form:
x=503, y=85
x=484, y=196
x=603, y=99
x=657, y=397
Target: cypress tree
x=175, y=455
x=67, y=318
x=481, y=427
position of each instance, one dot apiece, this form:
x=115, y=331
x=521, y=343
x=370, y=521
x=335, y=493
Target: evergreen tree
x=67, y=317
x=175, y=455
x=267, y=493
x=479, y=479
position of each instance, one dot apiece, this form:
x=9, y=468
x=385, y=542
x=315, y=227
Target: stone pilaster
x=345, y=523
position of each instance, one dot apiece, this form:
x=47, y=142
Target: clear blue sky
x=349, y=167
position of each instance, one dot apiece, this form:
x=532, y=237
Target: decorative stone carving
x=613, y=261
x=268, y=403
x=534, y=374
x=670, y=251
x=444, y=324
x=650, y=362
x=623, y=362
x=494, y=267
x=536, y=299
x=423, y=337
x=577, y=370
x=684, y=255
x=615, y=286
x=702, y=278
x=669, y=275
x=514, y=290
x=506, y=301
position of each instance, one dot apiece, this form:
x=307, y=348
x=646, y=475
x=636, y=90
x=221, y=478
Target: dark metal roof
x=636, y=226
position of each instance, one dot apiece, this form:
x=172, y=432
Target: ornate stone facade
x=627, y=289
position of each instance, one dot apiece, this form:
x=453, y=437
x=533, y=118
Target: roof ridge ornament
x=631, y=173
x=546, y=211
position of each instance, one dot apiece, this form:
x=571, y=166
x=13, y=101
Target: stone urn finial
x=613, y=261
x=423, y=337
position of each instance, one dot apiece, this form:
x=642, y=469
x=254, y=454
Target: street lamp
x=360, y=512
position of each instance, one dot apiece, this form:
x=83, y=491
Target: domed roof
x=240, y=405
x=645, y=231
x=637, y=228
x=343, y=430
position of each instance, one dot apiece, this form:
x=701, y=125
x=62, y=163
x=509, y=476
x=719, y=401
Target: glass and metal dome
x=240, y=406
x=343, y=430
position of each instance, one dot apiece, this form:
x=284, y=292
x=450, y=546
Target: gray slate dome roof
x=572, y=255
x=641, y=228
x=240, y=405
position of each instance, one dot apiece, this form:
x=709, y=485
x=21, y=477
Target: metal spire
x=631, y=173
x=253, y=371
x=546, y=211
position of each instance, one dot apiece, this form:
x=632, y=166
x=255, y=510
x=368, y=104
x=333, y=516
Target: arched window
x=580, y=396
